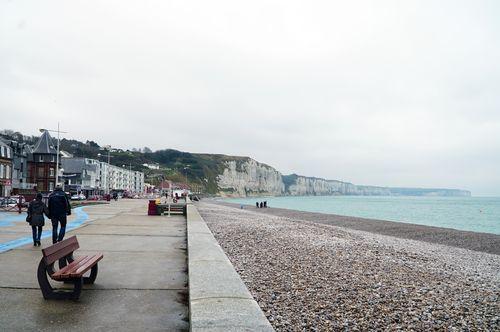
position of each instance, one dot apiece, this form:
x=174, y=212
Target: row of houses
x=26, y=168
x=93, y=177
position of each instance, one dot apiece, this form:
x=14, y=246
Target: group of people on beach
x=57, y=210
x=261, y=205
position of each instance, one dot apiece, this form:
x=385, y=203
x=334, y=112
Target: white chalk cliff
x=247, y=177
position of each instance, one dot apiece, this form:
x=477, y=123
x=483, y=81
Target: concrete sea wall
x=218, y=298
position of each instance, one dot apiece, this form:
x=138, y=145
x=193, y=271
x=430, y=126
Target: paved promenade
x=141, y=282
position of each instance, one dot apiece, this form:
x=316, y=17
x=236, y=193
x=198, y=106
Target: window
x=1, y=151
x=40, y=158
x=21, y=169
x=1, y=171
x=40, y=172
x=8, y=152
x=51, y=186
x=40, y=186
x=53, y=159
x=51, y=172
x=7, y=173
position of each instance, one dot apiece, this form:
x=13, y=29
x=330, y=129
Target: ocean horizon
x=476, y=214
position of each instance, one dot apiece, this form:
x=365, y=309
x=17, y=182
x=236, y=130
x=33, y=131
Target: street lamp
x=58, y=143
x=186, y=169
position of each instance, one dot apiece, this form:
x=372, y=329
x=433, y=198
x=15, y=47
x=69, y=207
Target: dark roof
x=44, y=144
x=2, y=142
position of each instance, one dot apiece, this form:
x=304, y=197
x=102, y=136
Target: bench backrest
x=60, y=249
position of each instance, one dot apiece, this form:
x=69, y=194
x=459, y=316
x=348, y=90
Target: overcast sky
x=391, y=93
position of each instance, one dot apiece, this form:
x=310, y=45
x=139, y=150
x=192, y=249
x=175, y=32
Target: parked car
x=78, y=197
x=16, y=198
x=8, y=201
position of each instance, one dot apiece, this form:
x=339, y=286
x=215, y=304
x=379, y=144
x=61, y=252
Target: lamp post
x=185, y=172
x=58, y=131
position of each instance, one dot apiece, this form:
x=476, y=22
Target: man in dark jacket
x=59, y=208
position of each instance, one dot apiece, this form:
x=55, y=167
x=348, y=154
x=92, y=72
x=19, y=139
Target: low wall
x=218, y=298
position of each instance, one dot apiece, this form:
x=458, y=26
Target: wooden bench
x=71, y=269
x=172, y=208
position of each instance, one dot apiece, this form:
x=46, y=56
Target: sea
x=476, y=214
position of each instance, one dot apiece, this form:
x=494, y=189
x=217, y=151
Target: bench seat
x=78, y=267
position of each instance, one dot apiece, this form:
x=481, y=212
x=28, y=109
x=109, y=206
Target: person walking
x=59, y=209
x=36, y=210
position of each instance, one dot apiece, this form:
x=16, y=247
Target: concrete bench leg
x=49, y=293
x=93, y=275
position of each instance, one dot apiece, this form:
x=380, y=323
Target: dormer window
x=40, y=158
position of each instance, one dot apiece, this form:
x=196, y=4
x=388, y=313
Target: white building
x=81, y=175
x=121, y=179
x=151, y=166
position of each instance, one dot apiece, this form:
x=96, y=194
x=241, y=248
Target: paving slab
x=97, y=310
x=106, y=229
x=145, y=270
x=5, y=237
x=127, y=220
x=151, y=243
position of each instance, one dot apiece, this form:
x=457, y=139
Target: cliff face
x=249, y=178
x=303, y=186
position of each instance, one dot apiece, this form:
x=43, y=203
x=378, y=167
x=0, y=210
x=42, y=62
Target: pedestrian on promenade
x=257, y=205
x=59, y=209
x=261, y=205
x=265, y=204
x=36, y=210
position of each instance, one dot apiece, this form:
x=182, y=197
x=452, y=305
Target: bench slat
x=55, y=247
x=59, y=273
x=78, y=268
x=87, y=266
x=67, y=272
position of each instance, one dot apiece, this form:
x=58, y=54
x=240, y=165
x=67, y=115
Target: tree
x=147, y=150
x=92, y=144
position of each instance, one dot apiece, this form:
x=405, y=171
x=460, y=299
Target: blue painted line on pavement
x=7, y=219
x=80, y=218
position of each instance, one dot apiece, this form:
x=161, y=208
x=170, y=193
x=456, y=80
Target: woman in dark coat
x=36, y=210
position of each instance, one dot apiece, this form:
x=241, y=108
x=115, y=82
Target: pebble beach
x=312, y=276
